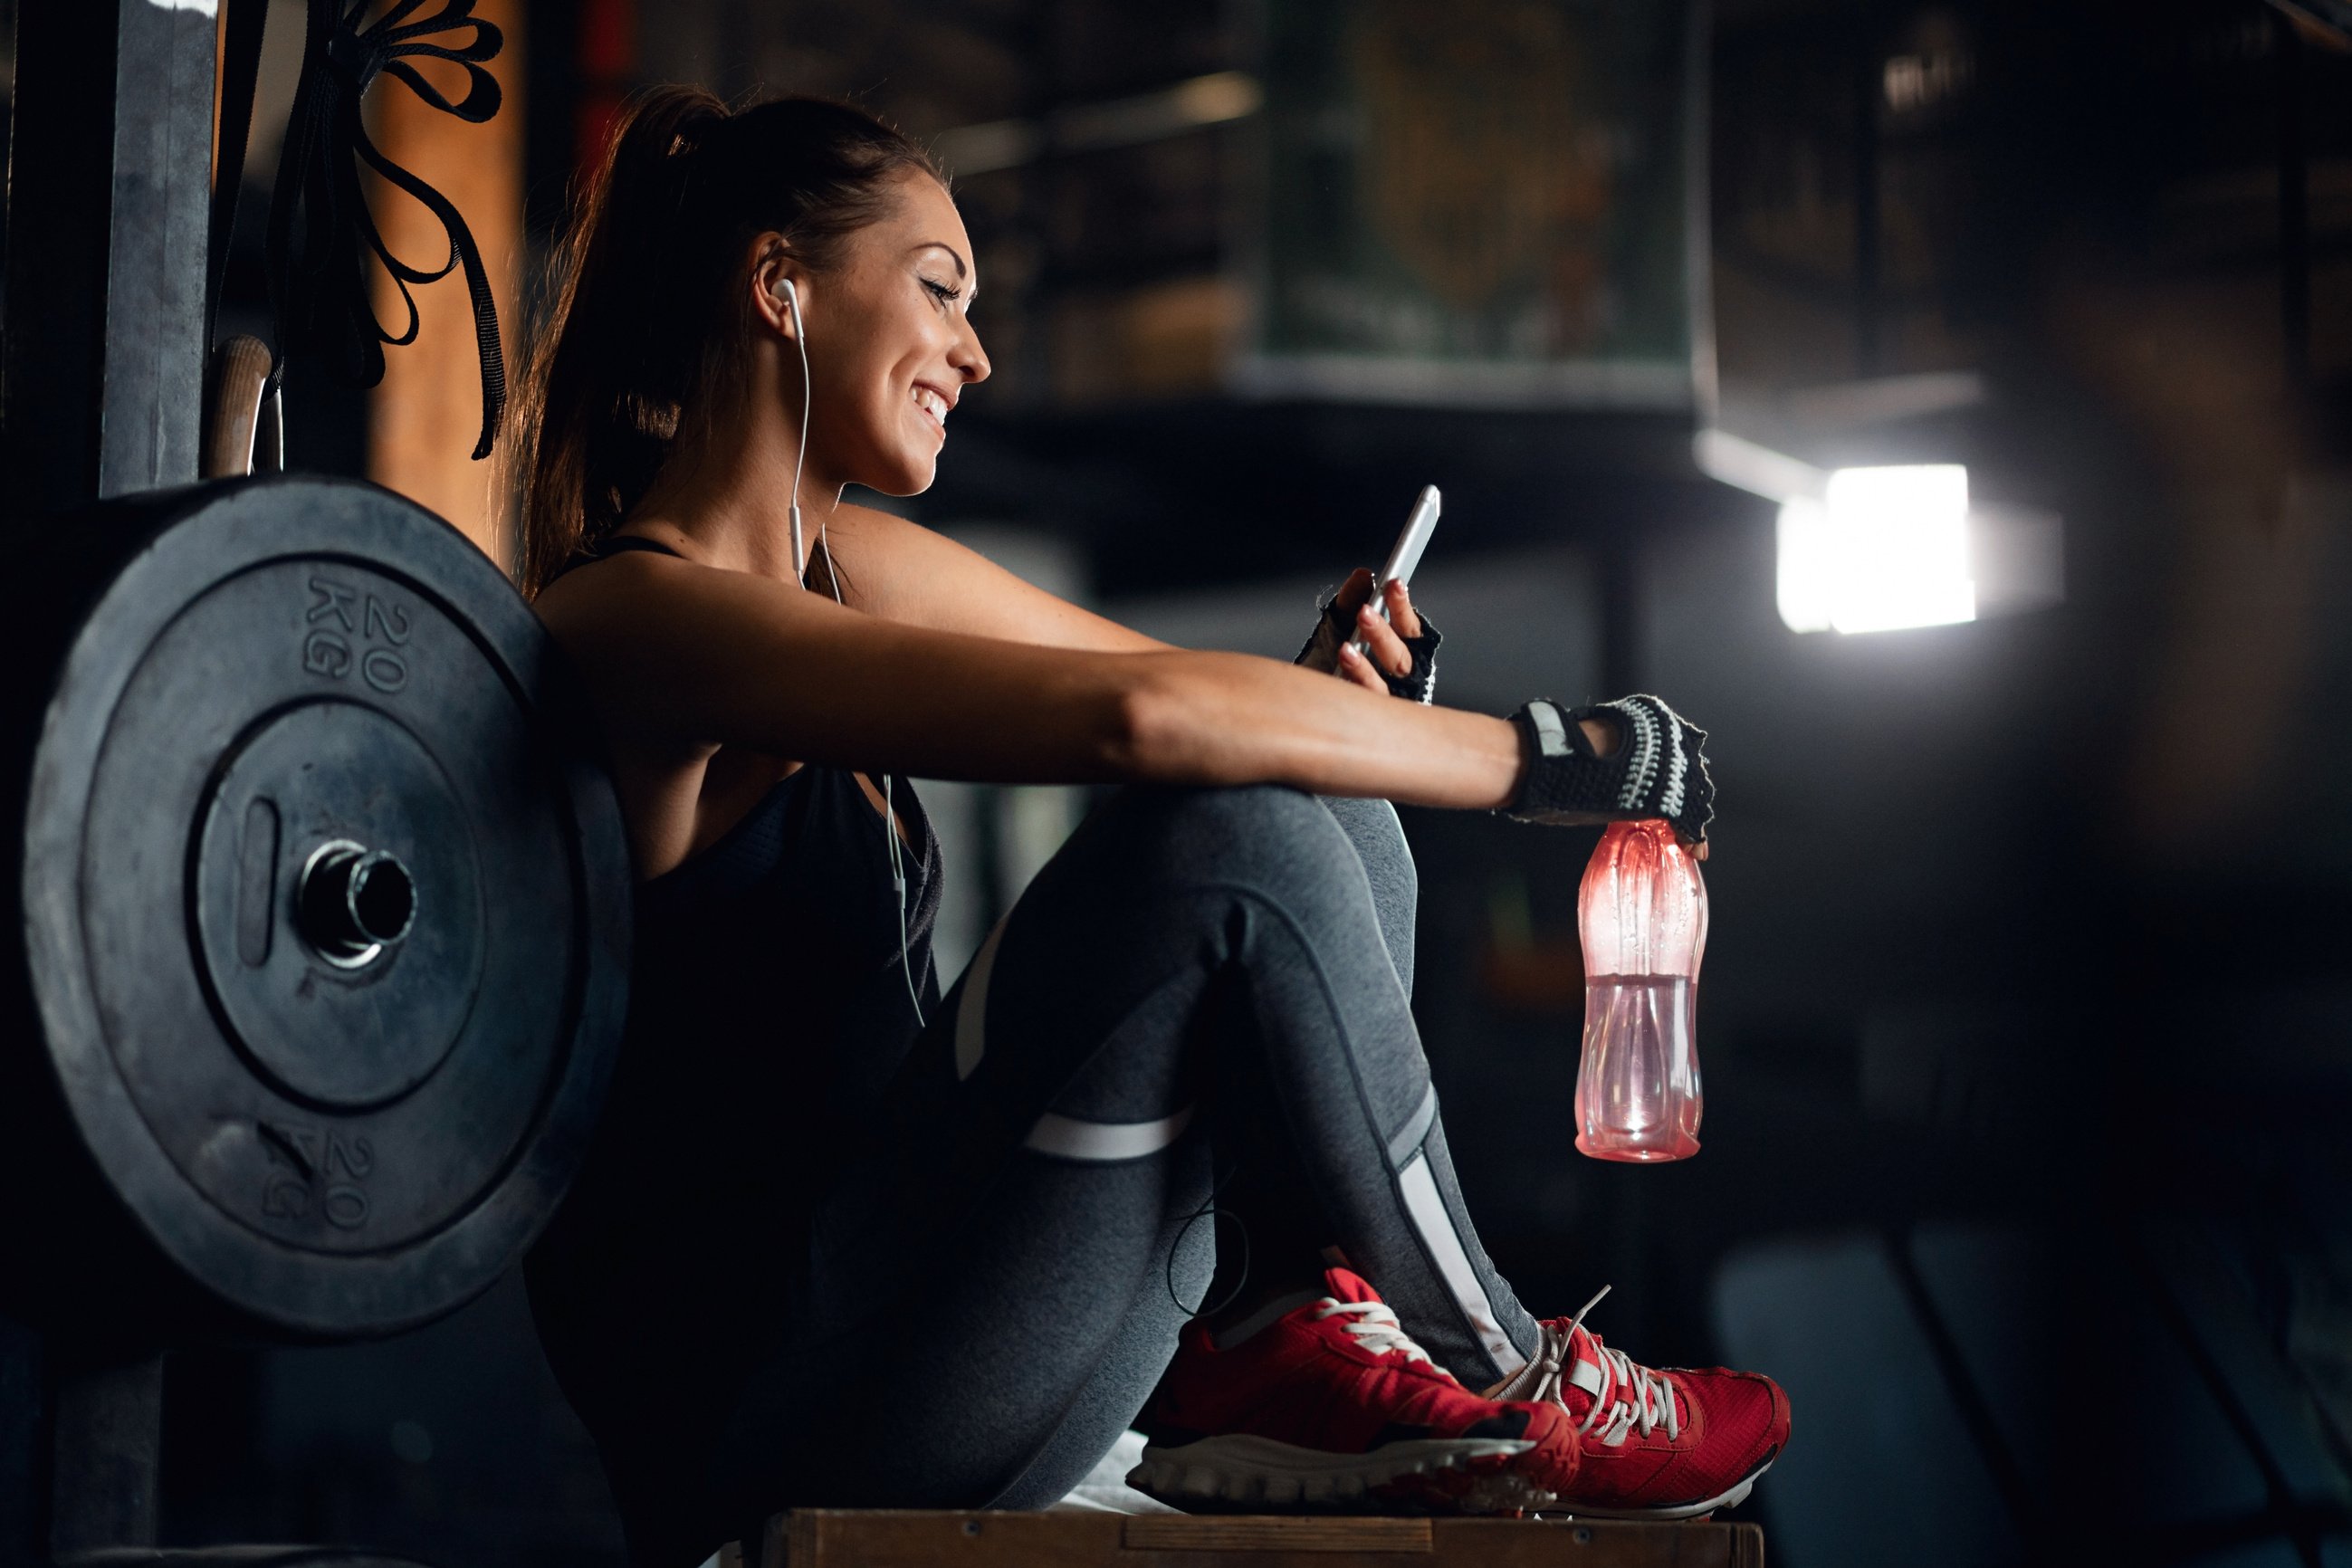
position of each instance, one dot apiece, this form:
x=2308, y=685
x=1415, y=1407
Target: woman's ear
x=780, y=286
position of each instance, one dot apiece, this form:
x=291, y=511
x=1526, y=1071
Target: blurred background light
x=1884, y=549
x=997, y=144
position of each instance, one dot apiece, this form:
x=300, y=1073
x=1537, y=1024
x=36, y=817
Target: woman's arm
x=904, y=572
x=690, y=656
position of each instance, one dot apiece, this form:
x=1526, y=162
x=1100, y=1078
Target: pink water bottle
x=1641, y=912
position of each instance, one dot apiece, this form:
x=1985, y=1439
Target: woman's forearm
x=1207, y=718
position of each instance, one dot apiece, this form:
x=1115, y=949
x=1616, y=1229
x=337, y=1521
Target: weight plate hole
x=354, y=902
x=383, y=898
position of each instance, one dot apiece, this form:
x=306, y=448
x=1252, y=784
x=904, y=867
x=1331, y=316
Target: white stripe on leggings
x=1103, y=1142
x=1408, y=1140
x=1437, y=1226
x=971, y=1013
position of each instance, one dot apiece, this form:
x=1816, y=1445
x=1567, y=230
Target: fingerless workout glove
x=1657, y=770
x=1338, y=627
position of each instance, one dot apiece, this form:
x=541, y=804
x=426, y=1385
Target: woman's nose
x=969, y=357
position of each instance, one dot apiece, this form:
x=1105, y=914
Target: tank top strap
x=614, y=544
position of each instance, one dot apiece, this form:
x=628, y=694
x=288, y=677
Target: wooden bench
x=833, y=1539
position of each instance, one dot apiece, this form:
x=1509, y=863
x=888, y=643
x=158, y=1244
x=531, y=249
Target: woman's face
x=890, y=344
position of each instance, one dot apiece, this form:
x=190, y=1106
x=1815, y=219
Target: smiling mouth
x=933, y=405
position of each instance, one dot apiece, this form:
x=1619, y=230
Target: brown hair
x=642, y=324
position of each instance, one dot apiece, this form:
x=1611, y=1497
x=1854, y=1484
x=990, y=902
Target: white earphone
x=800, y=455
x=800, y=566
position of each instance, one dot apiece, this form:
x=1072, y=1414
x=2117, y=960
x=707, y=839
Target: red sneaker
x=1674, y=1444
x=1333, y=1406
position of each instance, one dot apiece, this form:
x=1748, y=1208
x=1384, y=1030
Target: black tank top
x=767, y=1013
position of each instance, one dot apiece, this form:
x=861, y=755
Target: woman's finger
x=1356, y=591
x=1401, y=615
x=1381, y=640
x=1358, y=669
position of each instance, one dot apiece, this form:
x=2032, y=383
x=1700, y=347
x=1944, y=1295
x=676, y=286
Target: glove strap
x=1565, y=775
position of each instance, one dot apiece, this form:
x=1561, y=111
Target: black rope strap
x=321, y=298
x=240, y=76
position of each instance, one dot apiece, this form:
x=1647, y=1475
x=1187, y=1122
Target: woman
x=844, y=1240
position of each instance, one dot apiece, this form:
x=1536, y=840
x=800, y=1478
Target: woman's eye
x=942, y=293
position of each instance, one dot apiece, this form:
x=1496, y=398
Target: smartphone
x=1405, y=553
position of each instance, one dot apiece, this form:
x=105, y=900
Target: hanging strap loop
x=240, y=74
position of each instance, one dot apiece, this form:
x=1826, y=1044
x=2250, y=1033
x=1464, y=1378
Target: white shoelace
x=1376, y=1327
x=1634, y=1395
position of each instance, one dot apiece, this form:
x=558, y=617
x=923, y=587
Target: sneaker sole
x=1425, y=1474
x=1731, y=1499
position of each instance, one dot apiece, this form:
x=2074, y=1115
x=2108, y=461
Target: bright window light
x=1883, y=548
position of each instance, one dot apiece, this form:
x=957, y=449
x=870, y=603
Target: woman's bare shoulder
x=600, y=597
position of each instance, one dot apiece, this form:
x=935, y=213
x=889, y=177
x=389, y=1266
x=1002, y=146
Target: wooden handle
x=237, y=378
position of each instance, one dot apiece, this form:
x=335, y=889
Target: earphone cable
x=799, y=454
x=800, y=457
x=898, y=879
x=1212, y=1213
x=832, y=578
x=889, y=821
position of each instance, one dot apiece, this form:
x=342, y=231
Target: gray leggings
x=1201, y=982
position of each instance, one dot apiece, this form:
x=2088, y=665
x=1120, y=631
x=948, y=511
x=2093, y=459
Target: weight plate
x=326, y=916
x=390, y=989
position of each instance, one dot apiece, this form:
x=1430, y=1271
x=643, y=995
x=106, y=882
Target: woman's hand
x=1633, y=758
x=1385, y=640
x=1400, y=651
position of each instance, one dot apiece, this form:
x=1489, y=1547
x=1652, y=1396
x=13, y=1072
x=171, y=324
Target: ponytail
x=646, y=326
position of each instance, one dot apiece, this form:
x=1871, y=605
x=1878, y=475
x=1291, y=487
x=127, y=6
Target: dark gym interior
x=2027, y=1015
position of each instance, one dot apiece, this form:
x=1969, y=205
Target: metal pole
x=109, y=216
x=101, y=379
